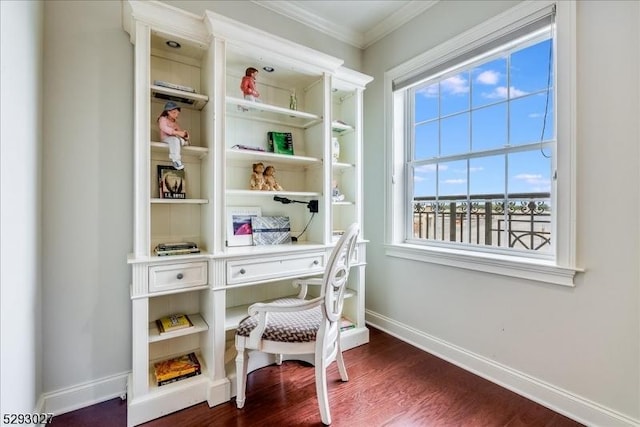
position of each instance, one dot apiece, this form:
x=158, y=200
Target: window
x=483, y=148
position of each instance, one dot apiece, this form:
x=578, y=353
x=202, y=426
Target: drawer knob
x=316, y=262
x=242, y=271
x=180, y=276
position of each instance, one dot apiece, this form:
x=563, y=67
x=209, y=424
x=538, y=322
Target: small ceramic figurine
x=335, y=193
x=248, y=85
x=257, y=181
x=270, y=179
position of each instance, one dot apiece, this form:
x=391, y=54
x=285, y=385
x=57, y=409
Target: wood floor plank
x=391, y=384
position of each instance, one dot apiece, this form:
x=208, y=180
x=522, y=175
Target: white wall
x=20, y=160
x=578, y=349
x=87, y=197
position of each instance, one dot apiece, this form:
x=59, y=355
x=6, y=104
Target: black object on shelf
x=311, y=204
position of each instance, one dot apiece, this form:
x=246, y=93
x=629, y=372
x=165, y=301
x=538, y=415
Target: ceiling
x=357, y=22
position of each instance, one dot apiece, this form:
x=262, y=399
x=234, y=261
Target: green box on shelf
x=280, y=142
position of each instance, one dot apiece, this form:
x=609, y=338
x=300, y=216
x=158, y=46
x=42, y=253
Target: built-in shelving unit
x=309, y=95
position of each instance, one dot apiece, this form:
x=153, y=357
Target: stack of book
x=172, y=323
x=180, y=248
x=346, y=324
x=176, y=369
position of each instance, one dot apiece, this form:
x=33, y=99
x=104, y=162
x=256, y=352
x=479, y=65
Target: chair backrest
x=337, y=273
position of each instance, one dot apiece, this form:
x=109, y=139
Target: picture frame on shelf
x=239, y=231
x=271, y=230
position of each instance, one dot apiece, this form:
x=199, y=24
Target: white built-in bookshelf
x=215, y=287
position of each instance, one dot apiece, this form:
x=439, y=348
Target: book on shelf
x=171, y=183
x=166, y=97
x=280, y=142
x=176, y=369
x=178, y=378
x=346, y=324
x=174, y=86
x=180, y=248
x=176, y=252
x=172, y=323
x=247, y=147
x=176, y=245
x=270, y=230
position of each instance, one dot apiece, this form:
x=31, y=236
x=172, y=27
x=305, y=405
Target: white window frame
x=560, y=270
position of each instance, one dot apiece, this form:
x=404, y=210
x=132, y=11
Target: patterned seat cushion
x=299, y=326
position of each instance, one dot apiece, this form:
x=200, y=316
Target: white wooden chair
x=296, y=326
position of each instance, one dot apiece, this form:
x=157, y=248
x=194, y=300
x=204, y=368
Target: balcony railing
x=519, y=220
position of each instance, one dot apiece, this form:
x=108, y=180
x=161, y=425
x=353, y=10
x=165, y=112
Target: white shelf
x=259, y=111
x=340, y=127
x=184, y=99
x=340, y=165
x=251, y=155
x=199, y=325
x=187, y=150
x=258, y=193
x=179, y=201
x=343, y=203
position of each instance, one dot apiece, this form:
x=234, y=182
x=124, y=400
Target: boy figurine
x=172, y=134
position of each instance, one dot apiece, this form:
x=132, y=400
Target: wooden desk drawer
x=177, y=276
x=257, y=269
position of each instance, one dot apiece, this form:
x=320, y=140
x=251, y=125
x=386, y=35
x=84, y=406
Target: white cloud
x=540, y=183
x=488, y=77
x=516, y=92
x=429, y=168
x=455, y=85
x=476, y=169
x=501, y=92
x=454, y=181
x=429, y=91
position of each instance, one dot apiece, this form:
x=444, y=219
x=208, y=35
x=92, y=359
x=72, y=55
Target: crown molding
x=397, y=20
x=343, y=33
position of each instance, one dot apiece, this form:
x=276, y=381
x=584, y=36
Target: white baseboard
x=548, y=395
x=83, y=395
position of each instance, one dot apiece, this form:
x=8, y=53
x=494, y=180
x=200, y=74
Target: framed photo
x=239, y=231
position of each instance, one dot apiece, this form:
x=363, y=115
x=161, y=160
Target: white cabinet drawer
x=177, y=276
x=255, y=269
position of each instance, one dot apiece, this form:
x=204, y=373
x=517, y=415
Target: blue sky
x=504, y=99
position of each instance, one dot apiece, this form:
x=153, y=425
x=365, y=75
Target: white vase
x=336, y=149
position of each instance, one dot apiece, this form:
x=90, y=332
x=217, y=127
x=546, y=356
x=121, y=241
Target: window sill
x=540, y=271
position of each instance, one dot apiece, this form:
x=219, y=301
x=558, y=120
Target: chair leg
x=241, y=376
x=321, y=391
x=341, y=366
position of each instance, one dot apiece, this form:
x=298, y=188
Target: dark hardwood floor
x=390, y=383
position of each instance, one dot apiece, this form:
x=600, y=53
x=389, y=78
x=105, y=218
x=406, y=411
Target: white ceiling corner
x=359, y=23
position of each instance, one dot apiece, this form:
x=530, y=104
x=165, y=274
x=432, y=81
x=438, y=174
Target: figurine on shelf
x=257, y=178
x=336, y=195
x=270, y=179
x=248, y=85
x=293, y=101
x=172, y=134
